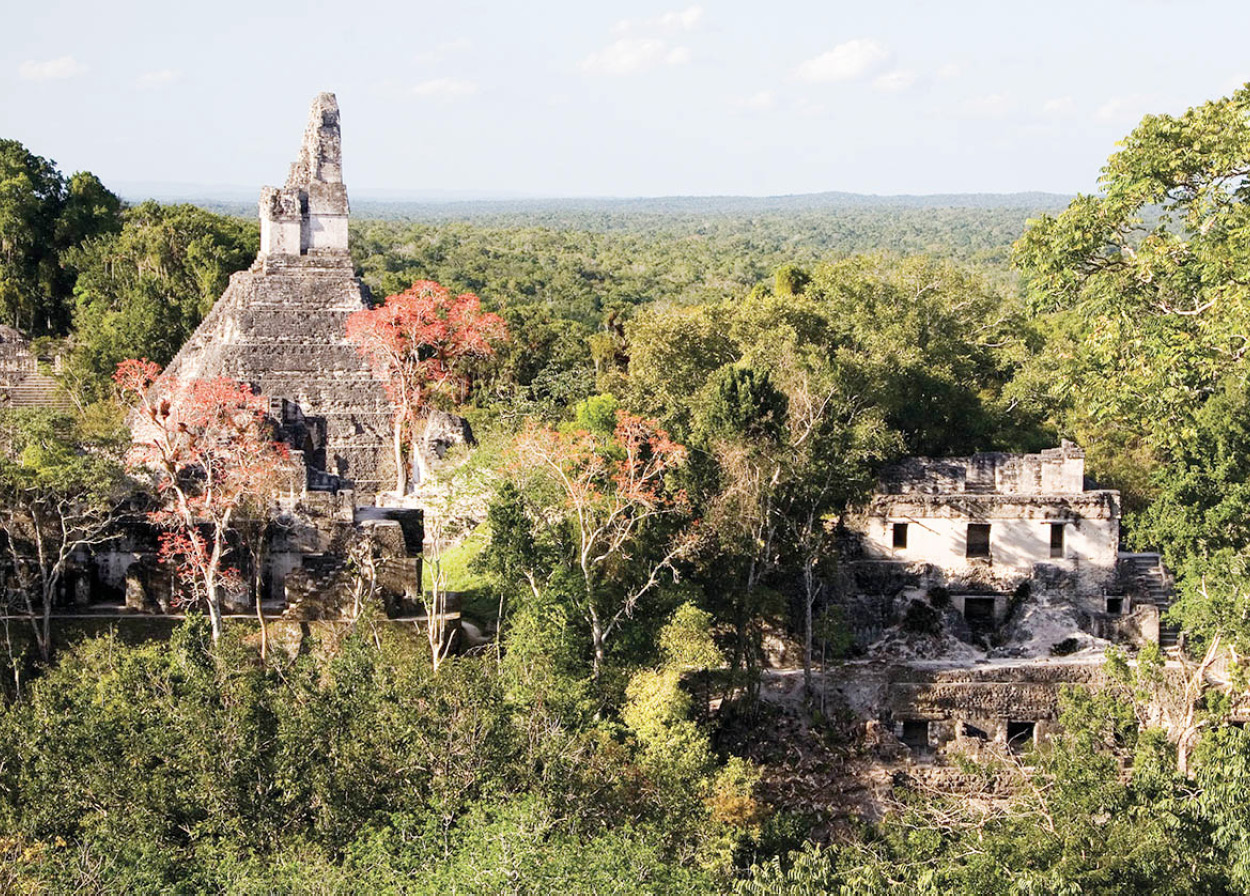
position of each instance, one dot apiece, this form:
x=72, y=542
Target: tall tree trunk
x=401, y=470
x=264, y=630
x=436, y=624
x=596, y=639
x=258, y=583
x=214, y=606
x=809, y=598
x=49, y=593
x=211, y=582
x=1190, y=726
x=499, y=631
x=8, y=645
x=43, y=629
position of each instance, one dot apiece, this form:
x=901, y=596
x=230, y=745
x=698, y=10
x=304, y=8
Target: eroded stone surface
x=281, y=325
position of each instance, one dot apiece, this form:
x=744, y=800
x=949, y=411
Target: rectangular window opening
x=1115, y=606
x=1056, y=539
x=979, y=611
x=1020, y=734
x=916, y=733
x=900, y=535
x=978, y=540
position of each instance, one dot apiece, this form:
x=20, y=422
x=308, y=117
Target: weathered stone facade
x=931, y=708
x=22, y=383
x=987, y=534
x=308, y=216
x=281, y=325
x=994, y=517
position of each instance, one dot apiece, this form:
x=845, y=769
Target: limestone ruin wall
x=281, y=325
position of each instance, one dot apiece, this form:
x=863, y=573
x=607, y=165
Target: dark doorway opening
x=1056, y=540
x=979, y=611
x=1115, y=606
x=1020, y=734
x=916, y=734
x=978, y=540
x=900, y=535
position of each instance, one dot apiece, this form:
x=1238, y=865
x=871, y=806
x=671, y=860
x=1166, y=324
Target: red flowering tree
x=610, y=490
x=419, y=342
x=208, y=447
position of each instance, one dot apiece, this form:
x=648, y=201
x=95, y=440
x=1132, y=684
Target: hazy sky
x=583, y=98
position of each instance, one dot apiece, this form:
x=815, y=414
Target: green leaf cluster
x=43, y=215
x=142, y=291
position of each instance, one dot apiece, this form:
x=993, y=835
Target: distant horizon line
x=191, y=191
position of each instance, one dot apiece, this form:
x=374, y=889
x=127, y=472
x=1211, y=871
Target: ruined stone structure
x=22, y=383
x=311, y=561
x=308, y=216
x=280, y=325
x=981, y=527
x=929, y=708
x=1006, y=559
x=995, y=517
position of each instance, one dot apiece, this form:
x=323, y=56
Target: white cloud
x=895, y=81
x=950, y=71
x=1129, y=108
x=159, y=78
x=845, y=62
x=445, y=88
x=992, y=105
x=50, y=69
x=683, y=21
x=760, y=101
x=677, y=56
x=631, y=55
x=1059, y=106
x=669, y=23
x=645, y=44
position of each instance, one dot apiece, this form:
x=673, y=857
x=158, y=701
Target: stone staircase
x=1146, y=575
x=36, y=390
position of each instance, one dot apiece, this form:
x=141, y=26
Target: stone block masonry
x=995, y=517
x=281, y=325
x=308, y=215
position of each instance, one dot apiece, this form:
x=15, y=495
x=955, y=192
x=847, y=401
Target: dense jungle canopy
x=774, y=358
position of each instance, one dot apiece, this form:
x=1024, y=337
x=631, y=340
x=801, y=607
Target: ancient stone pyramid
x=280, y=325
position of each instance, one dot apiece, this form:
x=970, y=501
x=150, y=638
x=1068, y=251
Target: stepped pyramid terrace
x=280, y=325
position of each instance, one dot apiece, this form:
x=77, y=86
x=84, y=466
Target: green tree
x=609, y=506
x=1200, y=517
x=934, y=344
x=1154, y=274
x=740, y=430
x=788, y=458
x=673, y=351
x=42, y=216
x=790, y=280
x=142, y=292
x=61, y=490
